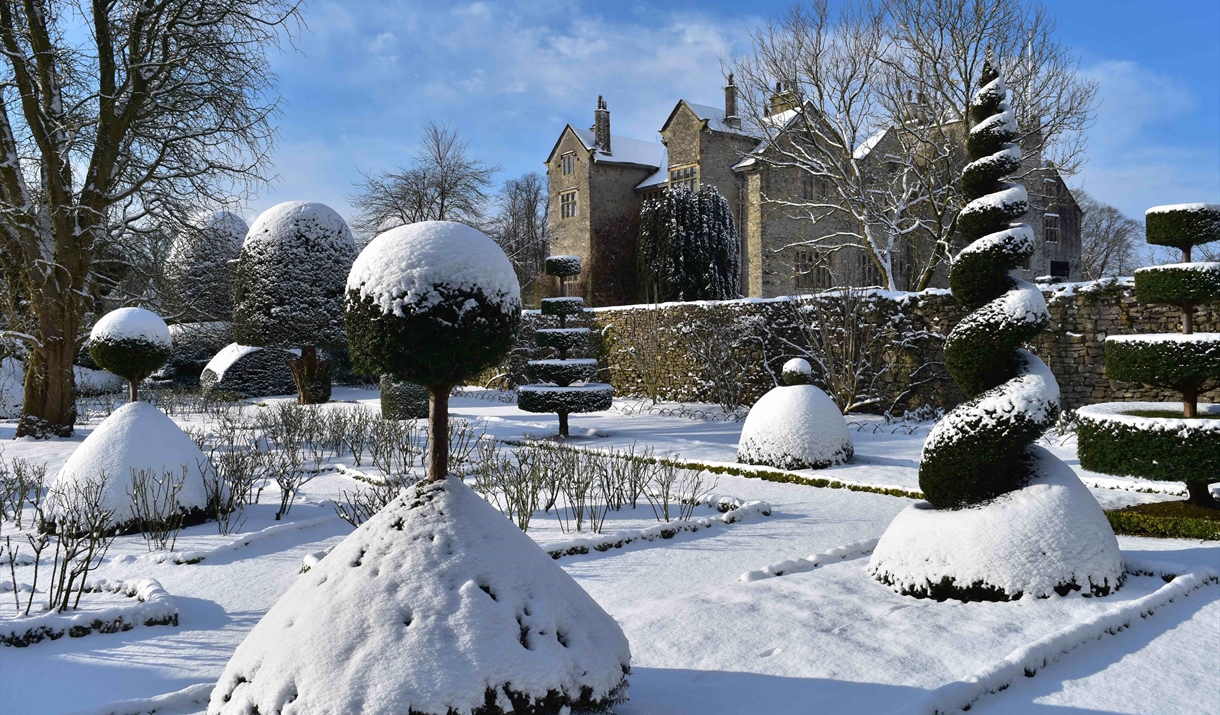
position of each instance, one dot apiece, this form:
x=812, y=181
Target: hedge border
x=1163, y=527
x=1107, y=444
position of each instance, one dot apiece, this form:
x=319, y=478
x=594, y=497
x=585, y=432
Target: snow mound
x=407, y=267
x=1170, y=208
x=795, y=427
x=136, y=436
x=132, y=324
x=1046, y=538
x=438, y=604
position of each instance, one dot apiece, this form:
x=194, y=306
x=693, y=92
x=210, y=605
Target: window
x=811, y=273
x=569, y=163
x=807, y=190
x=1050, y=228
x=686, y=177
x=1027, y=263
x=1060, y=269
x=567, y=204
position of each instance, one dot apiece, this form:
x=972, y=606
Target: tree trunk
x=1190, y=402
x=438, y=432
x=563, y=424
x=1188, y=319
x=312, y=377
x=1200, y=495
x=48, y=405
x=133, y=390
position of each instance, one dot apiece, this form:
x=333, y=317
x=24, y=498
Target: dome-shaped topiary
x=433, y=303
x=288, y=290
x=796, y=372
x=979, y=450
x=133, y=343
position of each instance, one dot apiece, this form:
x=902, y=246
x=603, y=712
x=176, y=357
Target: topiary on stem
x=433, y=303
x=133, y=343
x=288, y=291
x=979, y=450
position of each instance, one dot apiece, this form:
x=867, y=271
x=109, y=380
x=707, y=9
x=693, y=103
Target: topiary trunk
x=438, y=432
x=312, y=377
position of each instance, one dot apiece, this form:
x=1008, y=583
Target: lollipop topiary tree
x=288, y=290
x=433, y=303
x=1003, y=518
x=1149, y=439
x=133, y=343
x=566, y=387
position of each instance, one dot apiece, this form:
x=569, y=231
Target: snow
x=224, y=223
x=403, y=268
x=1182, y=207
x=319, y=222
x=464, y=600
x=1019, y=237
x=799, y=366
x=866, y=147
x=1011, y=195
x=136, y=436
x=12, y=384
x=1119, y=412
x=658, y=178
x=132, y=324
x=1201, y=266
x=795, y=426
x=624, y=150
x=1029, y=541
x=153, y=607
x=1153, y=338
x=228, y=355
x=715, y=120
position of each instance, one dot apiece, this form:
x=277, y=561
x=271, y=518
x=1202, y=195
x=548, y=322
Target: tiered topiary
x=288, y=291
x=567, y=387
x=1004, y=518
x=133, y=343
x=1148, y=439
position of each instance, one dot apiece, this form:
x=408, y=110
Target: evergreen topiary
x=288, y=291
x=433, y=303
x=402, y=400
x=567, y=387
x=133, y=343
x=978, y=451
x=688, y=247
x=198, y=267
x=1147, y=440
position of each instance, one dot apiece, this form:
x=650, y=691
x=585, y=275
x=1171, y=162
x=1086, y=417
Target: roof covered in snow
x=714, y=116
x=624, y=150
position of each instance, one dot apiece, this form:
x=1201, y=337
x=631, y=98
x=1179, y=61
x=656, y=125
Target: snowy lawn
x=826, y=639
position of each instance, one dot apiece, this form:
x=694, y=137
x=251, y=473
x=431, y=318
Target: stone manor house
x=595, y=178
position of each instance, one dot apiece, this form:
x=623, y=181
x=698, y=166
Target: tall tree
x=522, y=227
x=1109, y=239
x=688, y=248
x=143, y=111
x=443, y=183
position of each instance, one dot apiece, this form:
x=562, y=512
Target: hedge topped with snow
x=562, y=266
x=1181, y=284
x=795, y=427
x=1170, y=360
x=1113, y=438
x=1182, y=225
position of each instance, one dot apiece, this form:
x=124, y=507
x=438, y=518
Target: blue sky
x=366, y=75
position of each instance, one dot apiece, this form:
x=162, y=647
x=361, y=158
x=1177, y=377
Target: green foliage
x=441, y=346
x=562, y=306
x=547, y=398
x=403, y=400
x=563, y=372
x=1183, y=227
x=1168, y=452
x=1178, y=284
x=562, y=338
x=688, y=248
x=1176, y=364
x=131, y=359
x=562, y=266
x=1166, y=527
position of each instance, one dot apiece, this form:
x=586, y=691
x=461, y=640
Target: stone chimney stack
x=782, y=100
x=601, y=126
x=730, y=104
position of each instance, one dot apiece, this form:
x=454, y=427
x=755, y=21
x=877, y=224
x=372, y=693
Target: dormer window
x=684, y=177
x=569, y=163
x=1050, y=228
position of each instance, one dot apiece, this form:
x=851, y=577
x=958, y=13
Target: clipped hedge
x=1167, y=360
x=1181, y=284
x=1182, y=225
x=563, y=306
x=255, y=372
x=580, y=398
x=1112, y=441
x=562, y=338
x=563, y=372
x=1166, y=527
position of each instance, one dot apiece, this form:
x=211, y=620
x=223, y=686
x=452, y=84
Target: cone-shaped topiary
x=1147, y=439
x=433, y=303
x=978, y=451
x=288, y=291
x=133, y=343
x=564, y=386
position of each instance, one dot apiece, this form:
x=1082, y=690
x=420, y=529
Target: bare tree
x=443, y=183
x=1109, y=240
x=867, y=107
x=522, y=227
x=157, y=109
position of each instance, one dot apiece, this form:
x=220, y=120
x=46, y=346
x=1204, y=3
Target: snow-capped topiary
x=564, y=384
x=1143, y=439
x=137, y=436
x=288, y=291
x=433, y=303
x=437, y=605
x=688, y=247
x=198, y=265
x=195, y=344
x=796, y=372
x=248, y=371
x=1182, y=225
x=401, y=400
x=1048, y=537
x=795, y=427
x=132, y=343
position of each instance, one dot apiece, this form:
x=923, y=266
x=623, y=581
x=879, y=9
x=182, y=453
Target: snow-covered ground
x=703, y=640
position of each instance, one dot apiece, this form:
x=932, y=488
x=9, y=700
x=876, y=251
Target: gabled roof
x=660, y=178
x=713, y=116
x=631, y=152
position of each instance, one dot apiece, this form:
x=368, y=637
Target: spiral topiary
x=979, y=450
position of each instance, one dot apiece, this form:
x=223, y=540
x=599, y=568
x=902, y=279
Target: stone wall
x=677, y=350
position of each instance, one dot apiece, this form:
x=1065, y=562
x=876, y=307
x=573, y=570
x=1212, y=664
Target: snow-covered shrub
x=195, y=344
x=437, y=605
x=796, y=372
x=198, y=268
x=978, y=450
x=795, y=427
x=132, y=343
x=1180, y=284
x=432, y=303
x=288, y=291
x=1140, y=439
x=1182, y=226
x=248, y=371
x=136, y=437
x=688, y=247
x=401, y=400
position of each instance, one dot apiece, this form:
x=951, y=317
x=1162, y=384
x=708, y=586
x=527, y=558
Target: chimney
x=782, y=100
x=730, y=104
x=601, y=126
